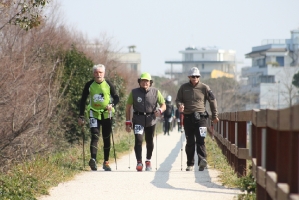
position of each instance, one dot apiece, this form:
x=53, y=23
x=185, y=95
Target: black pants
x=95, y=134
x=166, y=124
x=149, y=133
x=179, y=126
x=193, y=138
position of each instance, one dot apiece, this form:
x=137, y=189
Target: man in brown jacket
x=191, y=100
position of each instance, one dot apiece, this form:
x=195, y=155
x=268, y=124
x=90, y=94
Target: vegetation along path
x=167, y=180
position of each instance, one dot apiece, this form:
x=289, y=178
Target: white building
x=269, y=79
x=131, y=59
x=206, y=59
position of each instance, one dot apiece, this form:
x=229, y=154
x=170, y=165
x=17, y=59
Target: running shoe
x=106, y=166
x=189, y=168
x=139, y=166
x=93, y=164
x=148, y=166
x=202, y=164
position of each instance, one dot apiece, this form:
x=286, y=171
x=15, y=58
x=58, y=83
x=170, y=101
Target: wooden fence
x=270, y=139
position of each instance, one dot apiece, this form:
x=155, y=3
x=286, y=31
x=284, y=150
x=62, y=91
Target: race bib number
x=93, y=122
x=203, y=131
x=138, y=129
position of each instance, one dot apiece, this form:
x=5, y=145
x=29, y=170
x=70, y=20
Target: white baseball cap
x=168, y=98
x=194, y=72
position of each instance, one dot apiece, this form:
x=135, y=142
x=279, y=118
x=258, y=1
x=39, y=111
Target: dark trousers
x=193, y=139
x=166, y=124
x=149, y=133
x=95, y=134
x=179, y=126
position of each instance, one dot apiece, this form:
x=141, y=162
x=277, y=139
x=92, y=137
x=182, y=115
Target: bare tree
x=226, y=91
x=25, y=14
x=30, y=67
x=288, y=91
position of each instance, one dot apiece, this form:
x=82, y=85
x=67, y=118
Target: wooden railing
x=270, y=139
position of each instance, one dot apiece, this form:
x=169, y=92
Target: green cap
x=146, y=76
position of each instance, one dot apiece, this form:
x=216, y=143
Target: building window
x=134, y=67
x=280, y=60
x=261, y=62
x=189, y=57
x=202, y=66
x=267, y=79
x=203, y=55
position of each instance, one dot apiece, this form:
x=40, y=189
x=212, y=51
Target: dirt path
x=165, y=181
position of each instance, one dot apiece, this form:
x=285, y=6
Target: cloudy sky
x=161, y=28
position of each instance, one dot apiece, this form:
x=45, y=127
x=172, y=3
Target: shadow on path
x=162, y=174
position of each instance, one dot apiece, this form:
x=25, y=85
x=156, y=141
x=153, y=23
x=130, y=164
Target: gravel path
x=165, y=181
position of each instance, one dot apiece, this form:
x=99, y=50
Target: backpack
x=168, y=111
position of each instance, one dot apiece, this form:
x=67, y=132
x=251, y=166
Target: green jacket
x=100, y=95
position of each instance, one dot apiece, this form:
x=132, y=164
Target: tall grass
x=218, y=161
x=228, y=178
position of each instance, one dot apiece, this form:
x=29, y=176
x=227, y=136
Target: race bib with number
x=93, y=122
x=203, y=131
x=138, y=129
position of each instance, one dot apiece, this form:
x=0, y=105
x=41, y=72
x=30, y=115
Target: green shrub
x=248, y=185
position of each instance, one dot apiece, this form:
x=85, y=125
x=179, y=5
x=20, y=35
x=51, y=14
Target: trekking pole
x=83, y=137
x=110, y=114
x=182, y=130
x=156, y=147
x=129, y=152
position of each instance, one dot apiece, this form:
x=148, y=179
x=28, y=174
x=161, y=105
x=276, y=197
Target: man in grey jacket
x=191, y=100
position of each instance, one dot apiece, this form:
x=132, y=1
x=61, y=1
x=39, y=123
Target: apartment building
x=206, y=59
x=269, y=79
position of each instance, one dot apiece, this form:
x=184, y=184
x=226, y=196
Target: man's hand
x=181, y=108
x=128, y=129
x=109, y=107
x=128, y=126
x=215, y=120
x=158, y=113
x=81, y=121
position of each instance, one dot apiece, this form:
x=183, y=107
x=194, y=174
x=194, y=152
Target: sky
x=161, y=28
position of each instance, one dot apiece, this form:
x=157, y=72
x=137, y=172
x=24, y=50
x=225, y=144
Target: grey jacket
x=144, y=102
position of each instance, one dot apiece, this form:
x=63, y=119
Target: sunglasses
x=195, y=76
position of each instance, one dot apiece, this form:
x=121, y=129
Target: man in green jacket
x=191, y=100
x=102, y=100
x=144, y=100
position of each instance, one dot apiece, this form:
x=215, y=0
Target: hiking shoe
x=189, y=168
x=148, y=166
x=202, y=164
x=93, y=164
x=139, y=166
x=106, y=166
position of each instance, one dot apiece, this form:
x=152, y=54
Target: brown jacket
x=194, y=98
